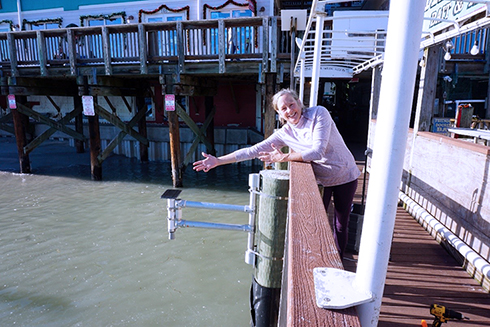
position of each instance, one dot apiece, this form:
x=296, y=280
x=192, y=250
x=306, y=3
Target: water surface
x=75, y=252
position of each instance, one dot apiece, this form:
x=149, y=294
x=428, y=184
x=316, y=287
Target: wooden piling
x=95, y=147
x=174, y=135
x=79, y=144
x=20, y=127
x=270, y=235
x=271, y=227
x=141, y=105
x=208, y=108
x=269, y=113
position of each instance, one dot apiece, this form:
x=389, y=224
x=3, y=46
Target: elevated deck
x=223, y=47
x=420, y=273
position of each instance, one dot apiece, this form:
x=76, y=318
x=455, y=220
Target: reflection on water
x=80, y=253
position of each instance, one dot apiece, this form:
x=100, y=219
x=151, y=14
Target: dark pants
x=343, y=196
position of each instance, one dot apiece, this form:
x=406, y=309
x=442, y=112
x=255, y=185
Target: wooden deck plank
x=421, y=272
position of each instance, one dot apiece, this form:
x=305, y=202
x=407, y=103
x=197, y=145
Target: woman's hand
x=276, y=155
x=206, y=164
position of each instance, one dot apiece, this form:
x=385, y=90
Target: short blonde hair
x=282, y=92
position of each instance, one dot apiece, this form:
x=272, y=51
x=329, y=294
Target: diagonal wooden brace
x=194, y=145
x=192, y=125
x=3, y=124
x=120, y=136
x=120, y=124
x=50, y=122
x=47, y=133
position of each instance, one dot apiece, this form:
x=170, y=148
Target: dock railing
x=309, y=244
x=254, y=39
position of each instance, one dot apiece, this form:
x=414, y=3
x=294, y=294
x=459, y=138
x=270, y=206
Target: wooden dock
x=421, y=272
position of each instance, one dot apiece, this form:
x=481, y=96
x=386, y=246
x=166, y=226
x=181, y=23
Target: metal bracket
x=335, y=289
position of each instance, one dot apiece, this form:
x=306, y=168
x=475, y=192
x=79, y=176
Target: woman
x=313, y=137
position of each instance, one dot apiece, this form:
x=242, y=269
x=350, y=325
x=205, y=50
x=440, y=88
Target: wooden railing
x=256, y=39
x=309, y=244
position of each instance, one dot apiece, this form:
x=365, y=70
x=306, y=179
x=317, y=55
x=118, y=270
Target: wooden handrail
x=310, y=244
x=105, y=47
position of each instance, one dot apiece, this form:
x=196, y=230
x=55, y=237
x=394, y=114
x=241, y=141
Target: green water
x=80, y=253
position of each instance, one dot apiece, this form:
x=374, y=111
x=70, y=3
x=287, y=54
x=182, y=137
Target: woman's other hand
x=276, y=155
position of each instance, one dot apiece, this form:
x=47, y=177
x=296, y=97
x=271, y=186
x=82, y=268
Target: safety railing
x=238, y=39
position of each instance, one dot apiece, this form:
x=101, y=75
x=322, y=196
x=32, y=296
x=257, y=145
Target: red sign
x=12, y=103
x=169, y=102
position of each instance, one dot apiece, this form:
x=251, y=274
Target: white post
x=396, y=95
x=317, y=58
x=302, y=80
x=19, y=14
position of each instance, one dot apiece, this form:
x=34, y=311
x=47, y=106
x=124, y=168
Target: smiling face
x=289, y=109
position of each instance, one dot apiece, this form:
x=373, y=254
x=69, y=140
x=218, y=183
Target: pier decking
x=420, y=273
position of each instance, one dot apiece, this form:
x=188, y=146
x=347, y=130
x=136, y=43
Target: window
x=164, y=42
x=92, y=44
x=45, y=24
x=238, y=38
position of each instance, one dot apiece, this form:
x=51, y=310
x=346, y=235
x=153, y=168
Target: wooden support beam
x=14, y=71
x=39, y=86
x=41, y=50
x=176, y=160
x=95, y=147
x=427, y=89
x=268, y=111
x=50, y=122
x=209, y=111
x=79, y=144
x=265, y=44
x=116, y=121
x=109, y=103
x=47, y=133
x=58, y=109
x=20, y=135
x=222, y=46
x=6, y=127
x=195, y=143
x=192, y=125
x=126, y=103
x=106, y=50
x=180, y=47
x=119, y=137
x=141, y=108
x=142, y=49
x=72, y=51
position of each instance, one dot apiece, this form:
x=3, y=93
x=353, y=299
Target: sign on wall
x=447, y=12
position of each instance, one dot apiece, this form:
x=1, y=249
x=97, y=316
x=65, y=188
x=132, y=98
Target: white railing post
x=397, y=87
x=317, y=58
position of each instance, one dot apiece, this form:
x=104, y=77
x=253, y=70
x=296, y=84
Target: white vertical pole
x=317, y=58
x=302, y=80
x=19, y=14
x=396, y=95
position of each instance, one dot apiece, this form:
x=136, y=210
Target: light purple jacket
x=318, y=140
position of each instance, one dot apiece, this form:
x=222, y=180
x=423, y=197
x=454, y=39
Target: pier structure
x=130, y=64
